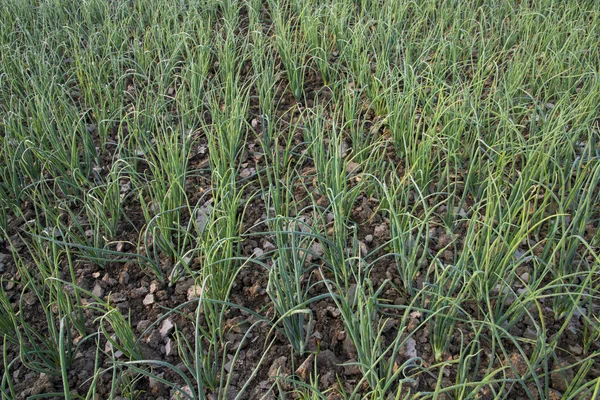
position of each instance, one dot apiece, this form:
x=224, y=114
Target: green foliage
x=430, y=165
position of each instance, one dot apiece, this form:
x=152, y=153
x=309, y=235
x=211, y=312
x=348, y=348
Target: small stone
x=344, y=147
x=518, y=363
x=278, y=368
x=153, y=287
x=16, y=374
x=125, y=188
x=525, y=277
x=530, y=334
x=97, y=291
x=399, y=301
x=166, y=327
x=247, y=172
x=108, y=346
x=53, y=232
x=364, y=250
x=2, y=268
x=176, y=394
x=352, y=167
x=413, y=324
x=579, y=312
x=264, y=385
x=576, y=349
x=138, y=292
x=521, y=291
x=444, y=241
x=327, y=361
x=182, y=286
x=554, y=395
x=448, y=256
x=143, y=324
x=304, y=224
x=118, y=297
x=153, y=340
x=323, y=202
x=108, y=280
x=388, y=325
x=317, y=249
x=369, y=238
x=380, y=231
x=203, y=216
x=124, y=278
x=410, y=348
x=168, y=346
x=460, y=211
x=304, y=369
x=258, y=252
x=255, y=289
x=194, y=292
x=268, y=246
x=228, y=366
x=149, y=299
